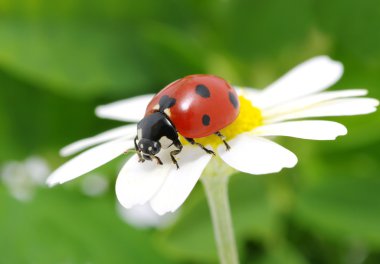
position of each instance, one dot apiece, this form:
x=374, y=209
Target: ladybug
x=195, y=106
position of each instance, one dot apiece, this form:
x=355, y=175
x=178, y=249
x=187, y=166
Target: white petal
x=256, y=155
x=127, y=131
x=143, y=216
x=89, y=160
x=130, y=110
x=178, y=185
x=309, y=77
x=246, y=91
x=310, y=100
x=251, y=94
x=138, y=182
x=339, y=107
x=311, y=129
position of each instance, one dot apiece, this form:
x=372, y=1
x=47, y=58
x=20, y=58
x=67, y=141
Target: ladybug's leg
x=192, y=142
x=159, y=162
x=223, y=138
x=176, y=152
x=141, y=159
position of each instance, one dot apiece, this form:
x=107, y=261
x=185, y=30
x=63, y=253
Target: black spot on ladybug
x=202, y=91
x=205, y=120
x=166, y=102
x=233, y=100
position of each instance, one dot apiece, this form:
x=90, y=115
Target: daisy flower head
x=278, y=110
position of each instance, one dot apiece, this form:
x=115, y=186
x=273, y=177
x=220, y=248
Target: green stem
x=216, y=188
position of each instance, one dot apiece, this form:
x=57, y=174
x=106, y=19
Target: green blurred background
x=59, y=59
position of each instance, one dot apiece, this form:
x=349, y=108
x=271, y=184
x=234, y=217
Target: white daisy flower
x=277, y=110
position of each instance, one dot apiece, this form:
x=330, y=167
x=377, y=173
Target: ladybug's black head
x=148, y=146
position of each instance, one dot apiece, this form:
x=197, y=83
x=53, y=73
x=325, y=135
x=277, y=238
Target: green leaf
x=65, y=227
x=282, y=254
x=341, y=207
x=37, y=121
x=251, y=29
x=90, y=48
x=70, y=56
x=354, y=26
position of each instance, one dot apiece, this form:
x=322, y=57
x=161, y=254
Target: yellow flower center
x=248, y=118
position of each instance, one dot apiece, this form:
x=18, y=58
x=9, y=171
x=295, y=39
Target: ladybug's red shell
x=204, y=104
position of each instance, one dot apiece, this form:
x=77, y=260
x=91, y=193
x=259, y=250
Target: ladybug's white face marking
x=150, y=148
x=139, y=133
x=141, y=145
x=165, y=142
x=156, y=107
x=167, y=112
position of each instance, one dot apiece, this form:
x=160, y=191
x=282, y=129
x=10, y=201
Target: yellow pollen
x=248, y=118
